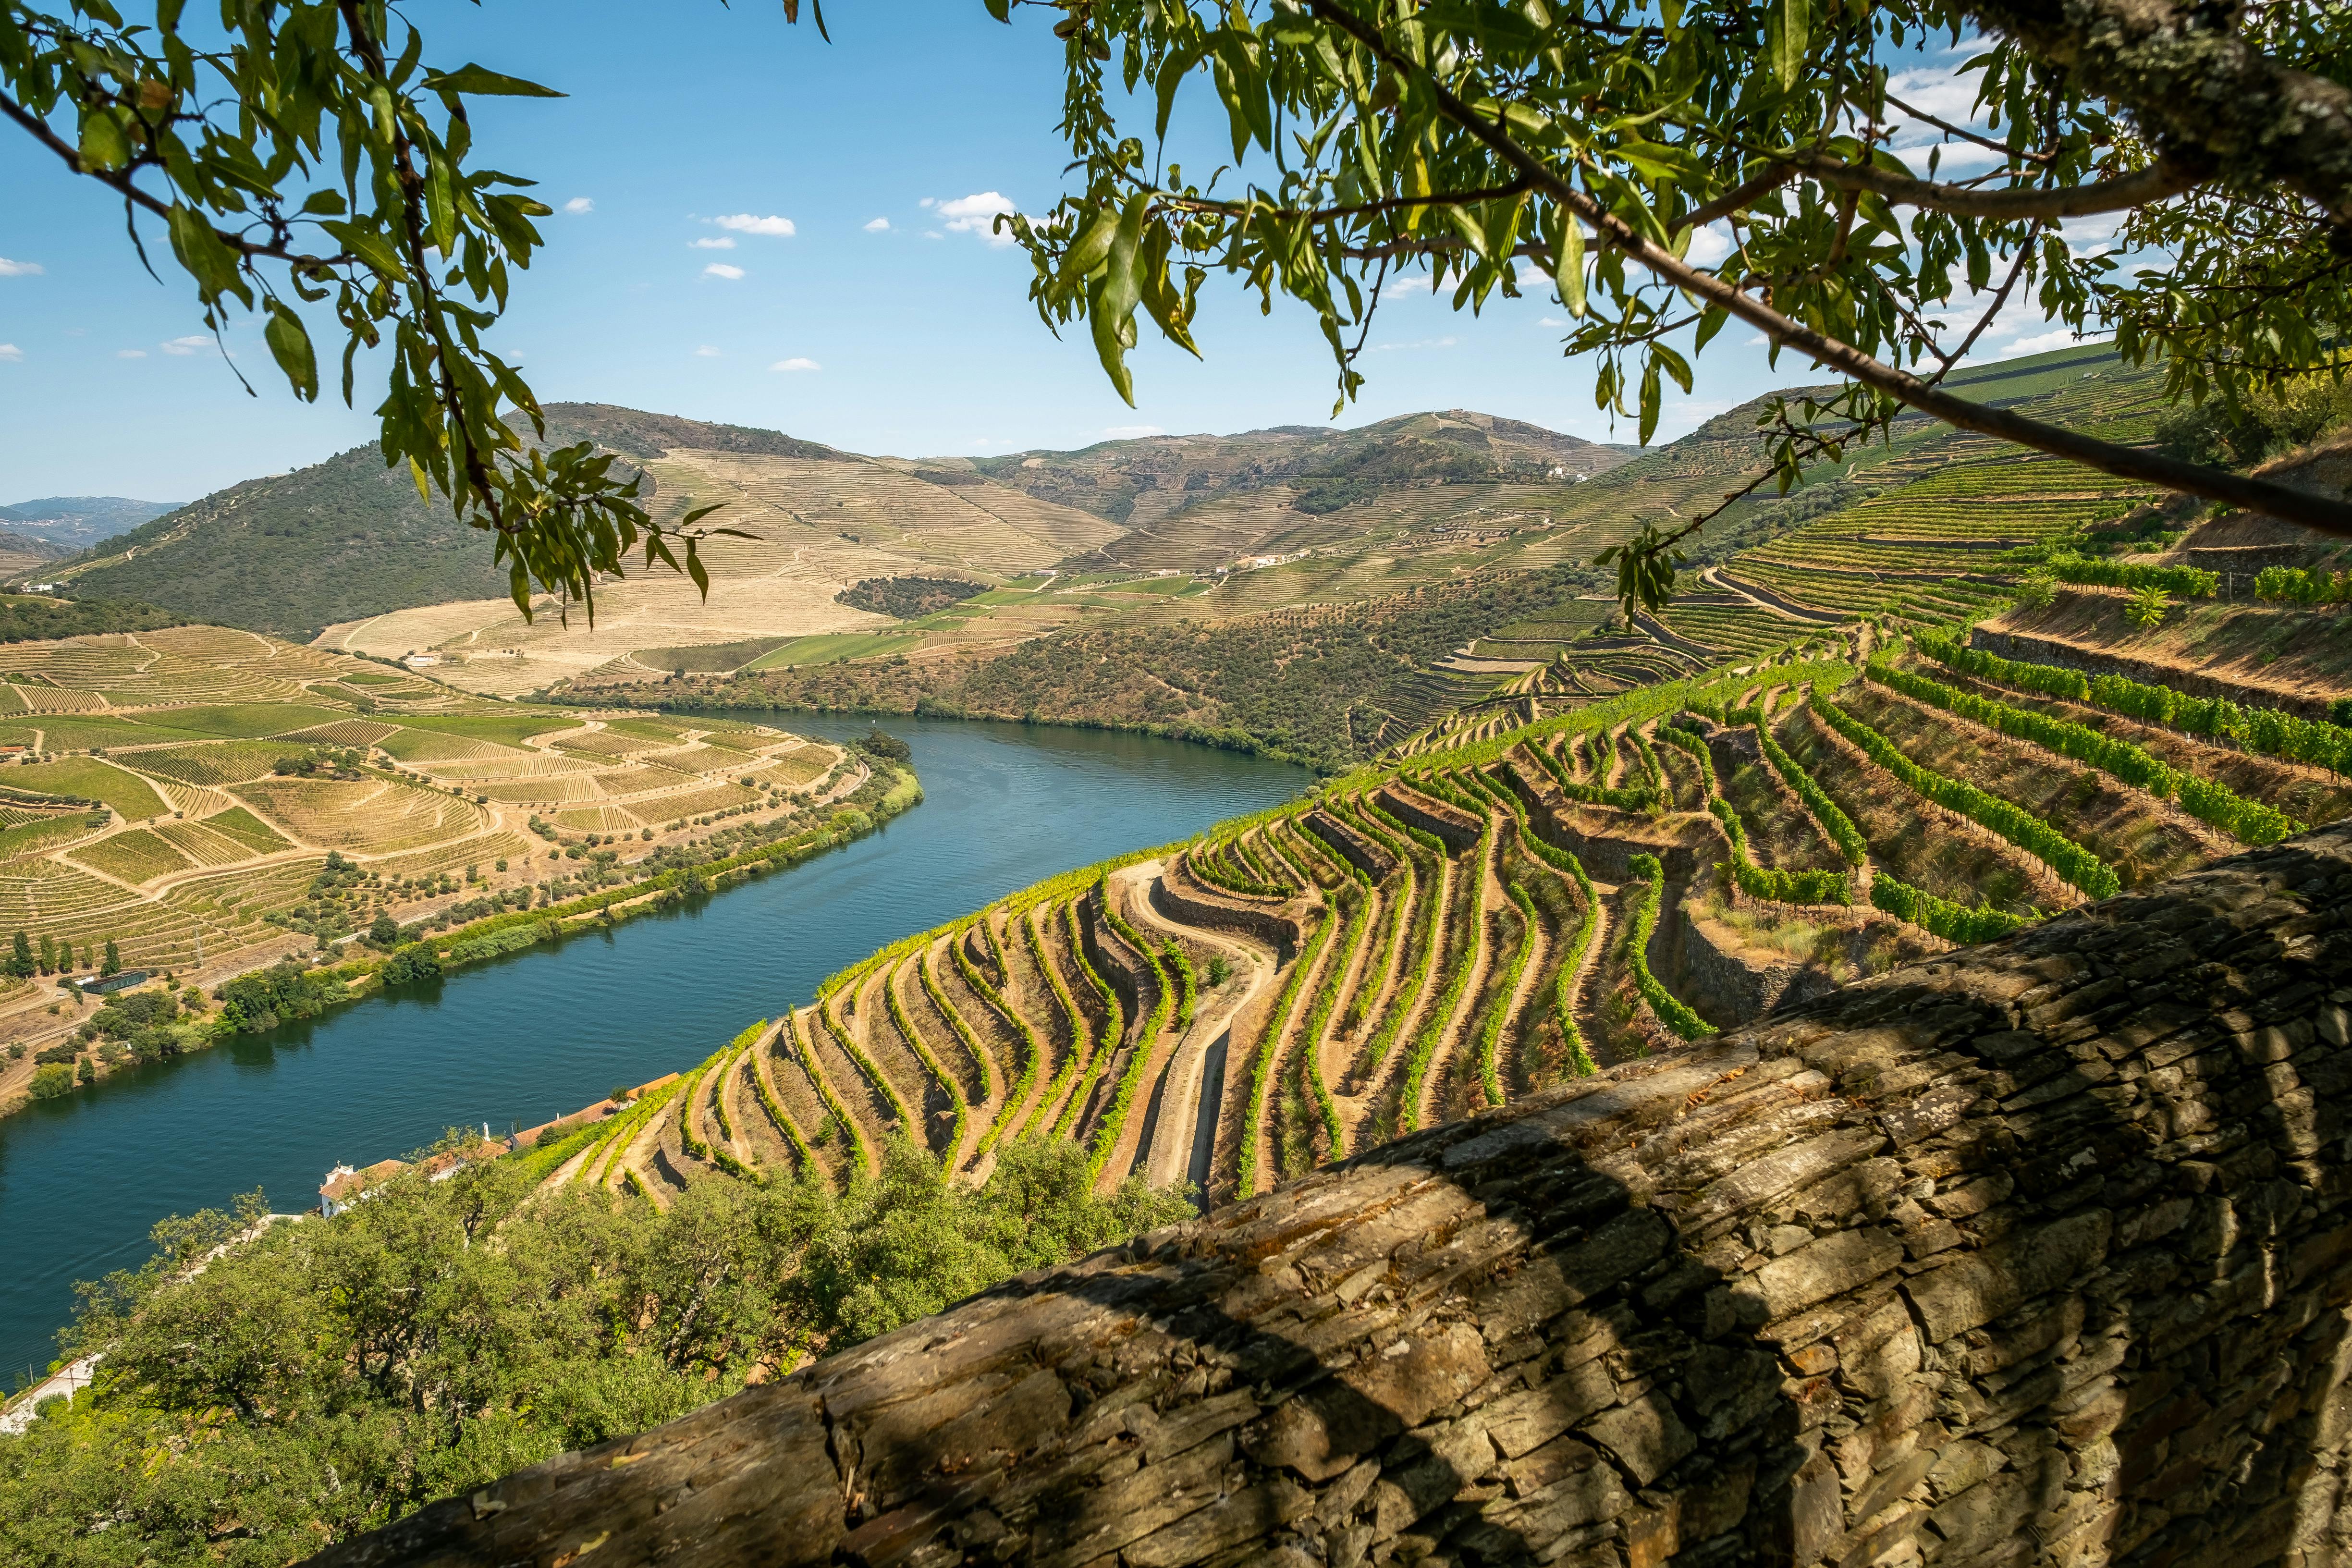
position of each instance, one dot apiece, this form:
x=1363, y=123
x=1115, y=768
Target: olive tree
x=1457, y=141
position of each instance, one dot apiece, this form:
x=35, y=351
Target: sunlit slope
x=201, y=796
x=1487, y=916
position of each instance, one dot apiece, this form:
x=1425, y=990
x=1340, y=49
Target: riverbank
x=759, y=699
x=259, y=1000
x=528, y=1038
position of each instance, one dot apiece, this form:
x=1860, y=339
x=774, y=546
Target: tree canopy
x=1485, y=145
x=313, y=157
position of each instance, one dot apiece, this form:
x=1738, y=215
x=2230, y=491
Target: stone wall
x=1458, y=829
x=1187, y=900
x=2033, y=1254
x=1365, y=856
x=2033, y=649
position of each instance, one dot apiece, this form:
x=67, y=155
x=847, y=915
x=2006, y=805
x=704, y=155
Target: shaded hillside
x=1325, y=684
x=348, y=538
x=289, y=555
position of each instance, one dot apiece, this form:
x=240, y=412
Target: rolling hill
x=67, y=523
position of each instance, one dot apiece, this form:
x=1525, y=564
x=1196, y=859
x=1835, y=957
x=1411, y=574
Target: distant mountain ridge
x=347, y=539
x=64, y=524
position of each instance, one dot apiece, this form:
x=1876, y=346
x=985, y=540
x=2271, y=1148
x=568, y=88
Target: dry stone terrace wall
x=2034, y=1254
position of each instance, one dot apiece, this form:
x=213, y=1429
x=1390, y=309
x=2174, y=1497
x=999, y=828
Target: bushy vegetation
x=1953, y=923
x=908, y=598
x=38, y=617
x=2264, y=731
x=1671, y=1009
x=2243, y=431
x=319, y=1379
x=2250, y=822
x=2021, y=827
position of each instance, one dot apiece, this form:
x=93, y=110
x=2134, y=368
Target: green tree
x=1378, y=139
x=52, y=1080
x=21, y=962
x=48, y=954
x=114, y=960
x=383, y=931
x=2148, y=607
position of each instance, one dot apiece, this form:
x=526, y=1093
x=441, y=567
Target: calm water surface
x=546, y=1031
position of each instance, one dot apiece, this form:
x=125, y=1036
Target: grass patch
x=252, y=721
x=833, y=648
x=91, y=779
x=505, y=728
x=247, y=829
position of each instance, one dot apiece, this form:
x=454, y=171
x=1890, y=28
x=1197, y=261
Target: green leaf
x=1650, y=398
x=324, y=204
x=1086, y=252
x=289, y=345
x=1567, y=263
x=484, y=83
x=202, y=252
x=1787, y=32
x=104, y=147
x=698, y=514
x=369, y=246
x=1114, y=303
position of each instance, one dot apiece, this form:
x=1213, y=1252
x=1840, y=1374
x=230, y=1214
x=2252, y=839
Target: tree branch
x=121, y=182
x=2162, y=179
x=2203, y=91
x=2329, y=516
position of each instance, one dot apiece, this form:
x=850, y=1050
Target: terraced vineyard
x=179, y=793
x=1494, y=909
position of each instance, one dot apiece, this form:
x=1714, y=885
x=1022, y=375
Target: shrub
x=1671, y=1009
x=2189, y=582
x=1953, y=923
x=2077, y=864
x=52, y=1080
x=2250, y=822
x=2148, y=607
x=2290, y=585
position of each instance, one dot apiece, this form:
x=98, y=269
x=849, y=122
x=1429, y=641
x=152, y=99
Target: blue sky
x=905, y=329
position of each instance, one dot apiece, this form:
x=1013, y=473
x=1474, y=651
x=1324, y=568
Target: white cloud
x=1757, y=341
x=183, y=347
x=579, y=204
x=933, y=234
x=2043, y=342
x=131, y=353
x=719, y=242
x=1130, y=432
x=1709, y=246
x=929, y=202
x=746, y=223
x=19, y=268
x=706, y=352
x=879, y=225
x=721, y=269
x=796, y=364
x=977, y=213
x=1552, y=320
x=1444, y=343
x=10, y=353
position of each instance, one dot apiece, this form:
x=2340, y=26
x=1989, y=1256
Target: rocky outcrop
x=2036, y=1253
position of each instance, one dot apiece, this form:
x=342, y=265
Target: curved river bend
x=548, y=1030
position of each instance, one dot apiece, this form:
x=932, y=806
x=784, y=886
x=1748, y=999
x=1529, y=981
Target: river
x=82, y=1179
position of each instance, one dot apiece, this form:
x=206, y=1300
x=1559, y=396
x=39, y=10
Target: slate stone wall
x=2033, y=1254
